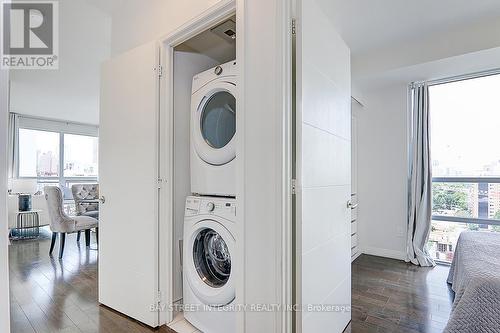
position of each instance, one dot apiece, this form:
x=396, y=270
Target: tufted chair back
x=86, y=198
x=59, y=221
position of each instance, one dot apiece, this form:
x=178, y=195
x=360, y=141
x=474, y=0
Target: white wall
x=72, y=91
x=186, y=65
x=4, y=263
x=382, y=172
x=137, y=21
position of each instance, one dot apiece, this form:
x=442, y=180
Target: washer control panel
x=222, y=207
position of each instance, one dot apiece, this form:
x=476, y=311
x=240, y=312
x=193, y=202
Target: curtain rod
x=463, y=77
x=67, y=122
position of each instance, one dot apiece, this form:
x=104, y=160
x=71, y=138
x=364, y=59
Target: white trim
x=297, y=13
x=285, y=229
x=210, y=17
x=240, y=267
x=4, y=261
x=380, y=252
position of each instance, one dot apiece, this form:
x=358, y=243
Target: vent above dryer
x=226, y=30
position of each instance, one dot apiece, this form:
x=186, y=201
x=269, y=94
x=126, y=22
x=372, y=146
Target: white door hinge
x=294, y=27
x=294, y=186
x=160, y=182
x=160, y=71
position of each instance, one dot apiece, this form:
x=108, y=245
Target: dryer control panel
x=222, y=207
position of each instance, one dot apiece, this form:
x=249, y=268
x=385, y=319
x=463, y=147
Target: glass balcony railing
x=459, y=204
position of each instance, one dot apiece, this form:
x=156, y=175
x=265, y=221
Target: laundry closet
x=225, y=171
x=204, y=174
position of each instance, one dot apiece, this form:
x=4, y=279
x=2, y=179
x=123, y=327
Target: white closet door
x=323, y=128
x=128, y=166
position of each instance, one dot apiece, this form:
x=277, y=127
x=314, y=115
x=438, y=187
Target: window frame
x=468, y=180
x=61, y=128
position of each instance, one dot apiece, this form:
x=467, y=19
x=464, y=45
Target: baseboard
x=356, y=256
x=376, y=251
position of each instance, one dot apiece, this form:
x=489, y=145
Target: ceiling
x=367, y=25
x=212, y=45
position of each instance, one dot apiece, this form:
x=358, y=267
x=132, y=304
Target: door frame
x=4, y=238
x=209, y=18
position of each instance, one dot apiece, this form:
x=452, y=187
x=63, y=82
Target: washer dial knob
x=210, y=206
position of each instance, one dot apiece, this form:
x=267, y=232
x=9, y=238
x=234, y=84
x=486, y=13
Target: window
x=465, y=164
x=38, y=153
x=80, y=156
x=57, y=153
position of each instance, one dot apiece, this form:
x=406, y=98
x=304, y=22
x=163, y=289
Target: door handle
x=102, y=199
x=351, y=205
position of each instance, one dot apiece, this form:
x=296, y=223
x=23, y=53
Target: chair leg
x=53, y=242
x=87, y=237
x=97, y=235
x=62, y=241
x=78, y=237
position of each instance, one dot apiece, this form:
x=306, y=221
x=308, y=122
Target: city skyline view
x=39, y=155
x=464, y=125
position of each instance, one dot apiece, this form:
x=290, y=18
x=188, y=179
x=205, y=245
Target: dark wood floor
x=48, y=295
x=392, y=296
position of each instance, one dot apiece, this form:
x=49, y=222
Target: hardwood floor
x=392, y=296
x=48, y=295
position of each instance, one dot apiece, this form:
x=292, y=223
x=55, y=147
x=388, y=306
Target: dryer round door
x=214, y=123
x=209, y=266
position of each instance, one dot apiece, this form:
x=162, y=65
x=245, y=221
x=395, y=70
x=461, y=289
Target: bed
x=475, y=278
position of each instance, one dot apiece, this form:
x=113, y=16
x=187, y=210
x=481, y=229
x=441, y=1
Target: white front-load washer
x=213, y=129
x=209, y=247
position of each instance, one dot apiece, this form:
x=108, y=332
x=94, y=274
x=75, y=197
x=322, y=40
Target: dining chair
x=86, y=198
x=61, y=223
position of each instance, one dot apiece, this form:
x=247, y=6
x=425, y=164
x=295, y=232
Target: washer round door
x=214, y=122
x=209, y=264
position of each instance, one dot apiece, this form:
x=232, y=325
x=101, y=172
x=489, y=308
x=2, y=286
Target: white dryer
x=213, y=129
x=209, y=248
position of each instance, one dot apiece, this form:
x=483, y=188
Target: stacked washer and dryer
x=210, y=212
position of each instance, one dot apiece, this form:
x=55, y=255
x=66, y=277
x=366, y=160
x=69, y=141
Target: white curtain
x=420, y=180
x=12, y=152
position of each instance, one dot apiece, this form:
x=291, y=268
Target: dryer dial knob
x=218, y=70
x=210, y=206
